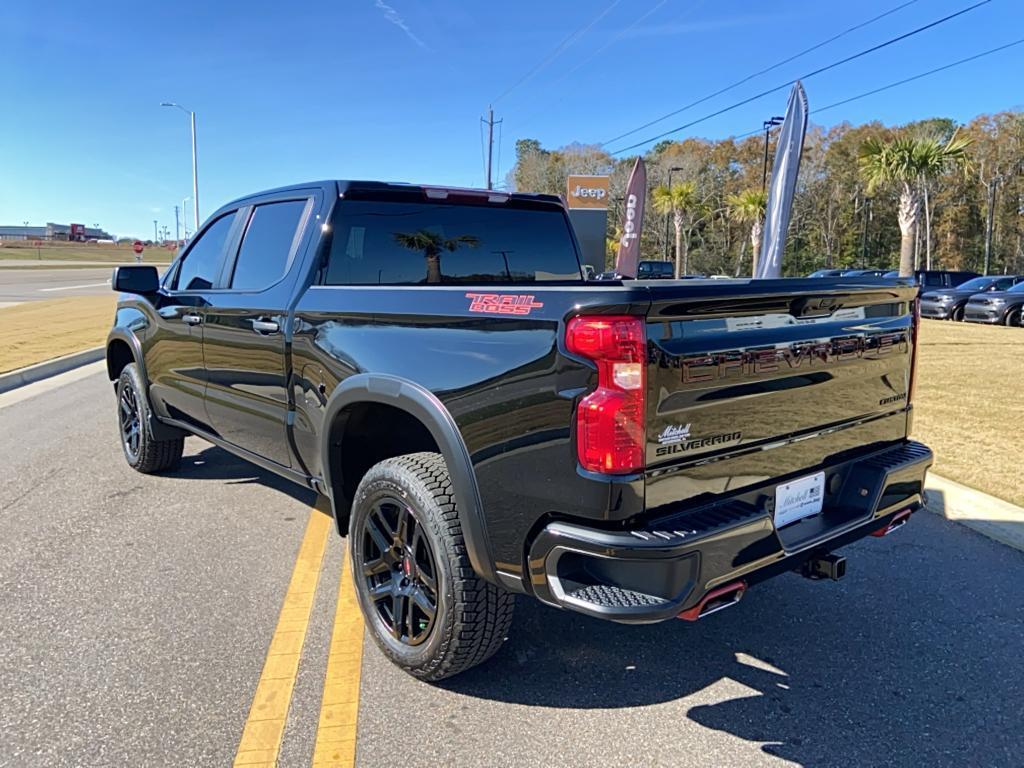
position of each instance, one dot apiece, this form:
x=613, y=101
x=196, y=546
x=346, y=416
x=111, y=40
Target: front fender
x=431, y=412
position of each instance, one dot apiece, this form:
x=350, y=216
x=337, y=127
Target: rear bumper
x=671, y=565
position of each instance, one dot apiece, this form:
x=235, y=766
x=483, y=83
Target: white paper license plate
x=799, y=499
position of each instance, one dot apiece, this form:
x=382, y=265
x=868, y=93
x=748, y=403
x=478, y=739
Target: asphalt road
x=18, y=285
x=137, y=613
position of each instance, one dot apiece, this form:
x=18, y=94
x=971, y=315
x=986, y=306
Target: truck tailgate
x=754, y=380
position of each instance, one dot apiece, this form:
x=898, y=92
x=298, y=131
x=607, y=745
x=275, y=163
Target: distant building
x=52, y=231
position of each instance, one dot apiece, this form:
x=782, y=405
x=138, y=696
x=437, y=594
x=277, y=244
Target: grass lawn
x=115, y=253
x=40, y=330
x=969, y=405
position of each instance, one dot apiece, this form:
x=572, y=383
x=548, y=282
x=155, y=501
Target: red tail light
x=610, y=435
x=915, y=335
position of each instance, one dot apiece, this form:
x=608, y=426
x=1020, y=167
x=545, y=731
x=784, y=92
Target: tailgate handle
x=818, y=307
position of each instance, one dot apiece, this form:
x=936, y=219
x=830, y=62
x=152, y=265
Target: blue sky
x=393, y=89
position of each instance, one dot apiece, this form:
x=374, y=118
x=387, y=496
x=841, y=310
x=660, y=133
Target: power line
x=622, y=33
x=904, y=81
x=764, y=71
x=559, y=49
x=526, y=120
x=809, y=75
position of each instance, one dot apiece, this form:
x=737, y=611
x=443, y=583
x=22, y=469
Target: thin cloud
x=391, y=15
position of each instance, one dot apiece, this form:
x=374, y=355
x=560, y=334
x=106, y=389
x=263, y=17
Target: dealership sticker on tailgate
x=799, y=499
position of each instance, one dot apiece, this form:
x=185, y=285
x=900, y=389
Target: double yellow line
x=336, y=733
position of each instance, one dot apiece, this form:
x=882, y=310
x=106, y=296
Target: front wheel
x=142, y=451
x=1013, y=318
x=957, y=314
x=426, y=608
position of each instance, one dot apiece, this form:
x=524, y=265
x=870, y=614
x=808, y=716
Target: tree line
x=952, y=195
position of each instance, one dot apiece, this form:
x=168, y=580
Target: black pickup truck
x=486, y=423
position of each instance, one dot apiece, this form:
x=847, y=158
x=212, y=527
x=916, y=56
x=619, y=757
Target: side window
x=199, y=268
x=1003, y=283
x=932, y=279
x=263, y=256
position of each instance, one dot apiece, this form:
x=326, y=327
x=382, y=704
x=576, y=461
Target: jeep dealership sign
x=588, y=192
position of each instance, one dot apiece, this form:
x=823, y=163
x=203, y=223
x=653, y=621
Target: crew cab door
x=174, y=349
x=246, y=326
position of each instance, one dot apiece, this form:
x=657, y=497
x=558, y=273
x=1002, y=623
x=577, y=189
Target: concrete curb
x=997, y=519
x=32, y=373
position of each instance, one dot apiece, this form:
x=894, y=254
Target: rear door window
x=267, y=245
x=421, y=243
x=199, y=267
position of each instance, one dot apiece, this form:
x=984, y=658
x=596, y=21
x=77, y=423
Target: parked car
x=655, y=270
x=827, y=273
x=848, y=272
x=864, y=273
x=938, y=278
x=996, y=307
x=485, y=423
x=650, y=270
x=949, y=304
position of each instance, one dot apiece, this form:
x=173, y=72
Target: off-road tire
x=472, y=616
x=151, y=455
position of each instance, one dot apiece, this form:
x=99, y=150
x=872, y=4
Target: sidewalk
x=995, y=518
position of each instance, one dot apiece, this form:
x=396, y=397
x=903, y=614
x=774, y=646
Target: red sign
x=137, y=246
x=77, y=232
x=503, y=303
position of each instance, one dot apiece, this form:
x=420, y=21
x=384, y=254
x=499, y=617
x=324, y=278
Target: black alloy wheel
x=425, y=606
x=399, y=570
x=143, y=451
x=131, y=423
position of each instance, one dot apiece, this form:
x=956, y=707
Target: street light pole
x=768, y=125
x=195, y=161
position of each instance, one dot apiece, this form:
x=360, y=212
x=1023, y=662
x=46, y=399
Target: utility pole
x=177, y=228
x=156, y=236
x=490, y=144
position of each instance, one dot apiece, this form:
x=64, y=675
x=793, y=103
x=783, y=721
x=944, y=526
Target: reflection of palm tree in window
x=432, y=245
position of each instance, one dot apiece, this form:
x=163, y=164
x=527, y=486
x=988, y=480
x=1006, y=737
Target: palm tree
x=908, y=162
x=679, y=200
x=748, y=207
x=433, y=245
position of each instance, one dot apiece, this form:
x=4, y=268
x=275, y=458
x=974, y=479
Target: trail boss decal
x=503, y=303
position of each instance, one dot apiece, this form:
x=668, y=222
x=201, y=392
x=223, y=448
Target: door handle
x=265, y=327
x=192, y=319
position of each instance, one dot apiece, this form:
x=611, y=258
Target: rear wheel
x=142, y=451
x=425, y=607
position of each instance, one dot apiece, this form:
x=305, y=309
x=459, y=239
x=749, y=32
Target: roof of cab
x=346, y=186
